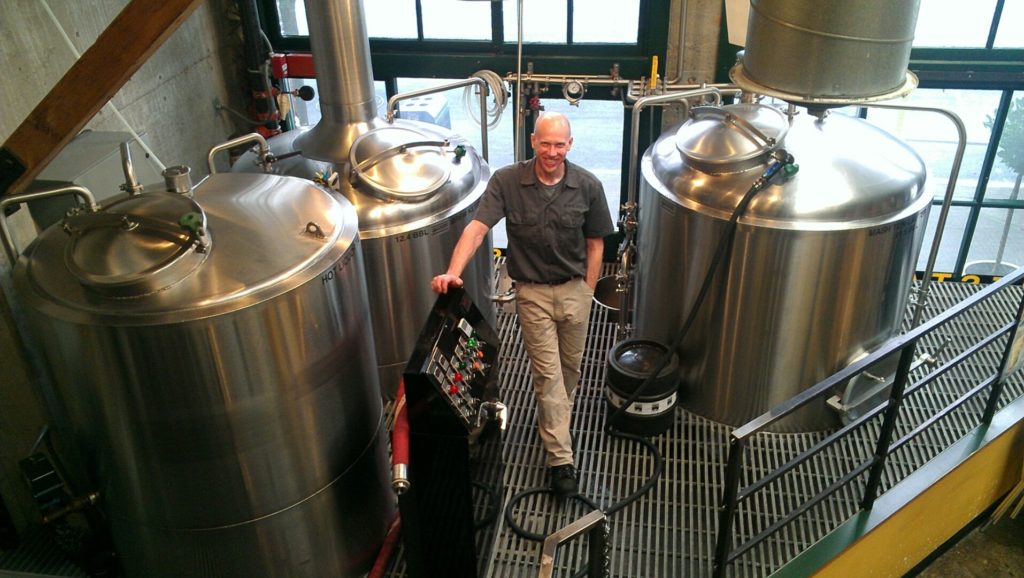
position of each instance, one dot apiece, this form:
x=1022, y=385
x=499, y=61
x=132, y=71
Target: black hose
x=492, y=505
x=524, y=533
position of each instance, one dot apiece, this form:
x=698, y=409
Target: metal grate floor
x=670, y=531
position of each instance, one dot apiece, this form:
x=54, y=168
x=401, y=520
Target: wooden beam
x=93, y=80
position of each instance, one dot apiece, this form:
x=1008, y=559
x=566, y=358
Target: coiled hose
x=496, y=86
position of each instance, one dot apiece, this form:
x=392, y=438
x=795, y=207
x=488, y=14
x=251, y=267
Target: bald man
x=557, y=217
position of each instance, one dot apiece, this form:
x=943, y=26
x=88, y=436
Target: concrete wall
x=700, y=46
x=170, y=100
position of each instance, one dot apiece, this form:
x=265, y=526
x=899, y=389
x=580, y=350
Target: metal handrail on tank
x=921, y=299
x=264, y=155
x=904, y=345
x=628, y=214
x=83, y=194
x=481, y=83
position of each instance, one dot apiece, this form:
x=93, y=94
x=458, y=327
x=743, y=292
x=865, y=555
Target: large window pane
x=293, y=17
x=613, y=22
x=935, y=138
x=1005, y=180
x=384, y=18
x=1011, y=32
x=543, y=21
x=390, y=18
x=952, y=234
x=456, y=20
x=951, y=23
x=998, y=244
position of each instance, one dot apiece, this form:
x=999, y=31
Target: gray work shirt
x=546, y=236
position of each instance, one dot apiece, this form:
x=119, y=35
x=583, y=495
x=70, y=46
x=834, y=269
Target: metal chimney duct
x=337, y=35
x=828, y=52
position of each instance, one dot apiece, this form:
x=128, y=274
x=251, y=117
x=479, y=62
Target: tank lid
x=137, y=245
x=272, y=235
x=401, y=163
x=730, y=138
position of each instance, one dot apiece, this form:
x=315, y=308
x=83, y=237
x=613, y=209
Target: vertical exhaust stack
x=828, y=52
x=337, y=35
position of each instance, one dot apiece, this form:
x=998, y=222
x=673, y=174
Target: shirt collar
x=527, y=176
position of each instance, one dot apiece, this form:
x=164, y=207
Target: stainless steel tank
x=417, y=188
x=828, y=50
x=820, y=266
x=215, y=357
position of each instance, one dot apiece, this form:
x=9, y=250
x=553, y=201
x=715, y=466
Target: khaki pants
x=554, y=326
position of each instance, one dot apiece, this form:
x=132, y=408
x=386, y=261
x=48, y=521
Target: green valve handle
x=791, y=169
x=460, y=151
x=192, y=222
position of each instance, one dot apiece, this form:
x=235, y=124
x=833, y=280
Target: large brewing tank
x=214, y=357
x=820, y=266
x=415, y=185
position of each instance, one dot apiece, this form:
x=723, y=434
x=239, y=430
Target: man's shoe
x=563, y=481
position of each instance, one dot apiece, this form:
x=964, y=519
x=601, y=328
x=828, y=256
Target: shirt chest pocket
x=524, y=227
x=571, y=218
x=522, y=218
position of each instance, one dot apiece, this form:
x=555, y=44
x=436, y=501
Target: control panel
x=452, y=368
x=455, y=423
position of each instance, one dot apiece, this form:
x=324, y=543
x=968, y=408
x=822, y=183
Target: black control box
x=455, y=418
x=451, y=374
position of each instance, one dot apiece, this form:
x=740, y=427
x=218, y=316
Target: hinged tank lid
x=138, y=261
x=731, y=138
x=137, y=245
x=401, y=164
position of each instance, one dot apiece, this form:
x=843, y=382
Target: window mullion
x=568, y=22
x=419, y=20
x=497, y=26
x=997, y=15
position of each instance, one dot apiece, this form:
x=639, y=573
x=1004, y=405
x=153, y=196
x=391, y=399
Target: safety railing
x=860, y=477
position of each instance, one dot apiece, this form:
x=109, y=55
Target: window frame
x=393, y=58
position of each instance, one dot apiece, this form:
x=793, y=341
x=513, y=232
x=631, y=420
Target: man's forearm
x=470, y=240
x=595, y=252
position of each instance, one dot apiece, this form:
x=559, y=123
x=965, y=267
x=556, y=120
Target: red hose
x=400, y=441
x=384, y=555
x=399, y=479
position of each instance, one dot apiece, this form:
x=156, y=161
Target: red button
x=453, y=389
x=457, y=377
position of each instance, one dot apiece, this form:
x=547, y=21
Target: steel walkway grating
x=670, y=532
